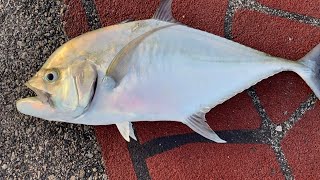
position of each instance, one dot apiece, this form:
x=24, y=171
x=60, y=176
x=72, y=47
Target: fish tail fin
x=311, y=71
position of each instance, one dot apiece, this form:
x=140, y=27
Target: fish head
x=64, y=87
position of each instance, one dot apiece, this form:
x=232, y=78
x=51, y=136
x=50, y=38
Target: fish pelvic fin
x=164, y=11
x=126, y=130
x=311, y=71
x=197, y=122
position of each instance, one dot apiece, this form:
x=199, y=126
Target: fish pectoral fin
x=108, y=82
x=164, y=11
x=126, y=130
x=197, y=122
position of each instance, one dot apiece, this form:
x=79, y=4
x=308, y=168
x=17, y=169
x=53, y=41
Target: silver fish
x=151, y=70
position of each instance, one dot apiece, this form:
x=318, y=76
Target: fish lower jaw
x=33, y=106
x=24, y=105
x=42, y=96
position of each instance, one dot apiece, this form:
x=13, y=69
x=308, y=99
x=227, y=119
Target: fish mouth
x=40, y=106
x=43, y=96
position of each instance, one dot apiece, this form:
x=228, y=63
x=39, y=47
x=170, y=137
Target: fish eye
x=51, y=76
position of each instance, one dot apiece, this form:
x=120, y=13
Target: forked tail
x=311, y=72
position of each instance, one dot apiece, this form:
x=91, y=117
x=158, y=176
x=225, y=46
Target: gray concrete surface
x=31, y=148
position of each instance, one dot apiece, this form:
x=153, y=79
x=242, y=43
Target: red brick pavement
x=115, y=152
x=281, y=94
x=164, y=152
x=302, y=146
x=75, y=19
x=215, y=161
x=307, y=7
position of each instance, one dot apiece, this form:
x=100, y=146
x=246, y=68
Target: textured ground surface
x=272, y=128
x=31, y=148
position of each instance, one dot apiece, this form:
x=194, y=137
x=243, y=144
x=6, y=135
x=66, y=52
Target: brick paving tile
x=147, y=131
x=236, y=113
x=274, y=35
x=302, y=146
x=215, y=161
x=199, y=14
x=308, y=7
x=113, y=12
x=282, y=93
x=75, y=19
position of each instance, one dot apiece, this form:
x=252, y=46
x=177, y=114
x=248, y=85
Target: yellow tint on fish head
x=66, y=82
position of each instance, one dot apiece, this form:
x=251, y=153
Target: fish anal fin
x=131, y=132
x=197, y=122
x=126, y=130
x=164, y=11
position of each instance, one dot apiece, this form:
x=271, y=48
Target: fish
x=155, y=69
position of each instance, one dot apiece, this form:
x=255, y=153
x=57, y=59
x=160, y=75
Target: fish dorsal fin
x=126, y=130
x=164, y=11
x=197, y=122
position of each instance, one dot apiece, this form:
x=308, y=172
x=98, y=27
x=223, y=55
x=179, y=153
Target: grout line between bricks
x=266, y=124
x=310, y=102
x=285, y=168
x=266, y=121
x=299, y=112
x=138, y=158
x=253, y=5
x=228, y=19
x=275, y=138
x=91, y=14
